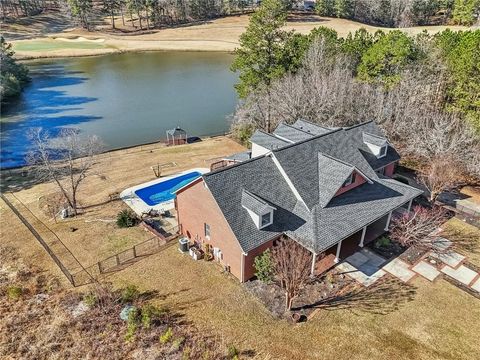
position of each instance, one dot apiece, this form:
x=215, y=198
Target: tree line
x=423, y=90
x=13, y=75
x=402, y=13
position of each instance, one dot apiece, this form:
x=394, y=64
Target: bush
x=382, y=242
x=264, y=267
x=232, y=352
x=132, y=325
x=14, y=292
x=150, y=313
x=166, y=336
x=129, y=294
x=126, y=218
x=90, y=299
x=177, y=343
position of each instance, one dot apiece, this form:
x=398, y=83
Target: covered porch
x=356, y=241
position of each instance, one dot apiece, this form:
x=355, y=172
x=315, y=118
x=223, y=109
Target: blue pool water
x=164, y=191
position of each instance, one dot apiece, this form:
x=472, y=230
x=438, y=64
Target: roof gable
x=267, y=140
x=254, y=203
x=311, y=128
x=291, y=133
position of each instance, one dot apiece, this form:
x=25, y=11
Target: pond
x=125, y=99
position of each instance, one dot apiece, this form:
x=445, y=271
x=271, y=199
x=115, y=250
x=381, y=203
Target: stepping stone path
x=361, y=277
x=428, y=271
x=450, y=258
x=476, y=285
x=399, y=269
x=462, y=274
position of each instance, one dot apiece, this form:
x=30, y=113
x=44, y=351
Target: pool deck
x=141, y=207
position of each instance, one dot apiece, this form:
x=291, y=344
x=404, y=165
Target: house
x=330, y=190
x=176, y=136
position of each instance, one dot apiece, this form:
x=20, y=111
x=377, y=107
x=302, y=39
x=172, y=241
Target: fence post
x=117, y=258
x=100, y=267
x=134, y=252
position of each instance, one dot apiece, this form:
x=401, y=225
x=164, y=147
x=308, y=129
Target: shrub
x=383, y=241
x=232, y=352
x=264, y=267
x=14, y=292
x=177, y=343
x=90, y=299
x=126, y=218
x=132, y=325
x=166, y=336
x=150, y=313
x=129, y=294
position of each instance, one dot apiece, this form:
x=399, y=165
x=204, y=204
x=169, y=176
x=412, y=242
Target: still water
x=125, y=99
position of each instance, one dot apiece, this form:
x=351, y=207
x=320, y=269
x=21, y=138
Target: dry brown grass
x=472, y=192
x=441, y=322
x=95, y=239
x=216, y=35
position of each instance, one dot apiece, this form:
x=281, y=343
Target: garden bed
x=318, y=289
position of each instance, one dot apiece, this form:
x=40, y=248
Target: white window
x=383, y=151
x=266, y=219
x=207, y=231
x=350, y=180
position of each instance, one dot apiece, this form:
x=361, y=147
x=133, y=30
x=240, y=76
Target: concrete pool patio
x=367, y=267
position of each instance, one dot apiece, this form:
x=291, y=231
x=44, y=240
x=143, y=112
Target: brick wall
x=389, y=170
x=195, y=207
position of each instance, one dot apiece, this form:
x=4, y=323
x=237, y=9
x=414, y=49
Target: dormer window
x=377, y=145
x=259, y=210
x=383, y=151
x=266, y=219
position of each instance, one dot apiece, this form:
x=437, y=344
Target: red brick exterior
x=196, y=207
x=389, y=170
x=359, y=180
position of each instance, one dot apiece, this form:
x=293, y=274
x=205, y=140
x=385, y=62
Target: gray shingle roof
x=255, y=203
x=322, y=220
x=311, y=128
x=243, y=156
x=291, y=133
x=331, y=176
x=355, y=133
x=267, y=141
x=373, y=139
x=261, y=177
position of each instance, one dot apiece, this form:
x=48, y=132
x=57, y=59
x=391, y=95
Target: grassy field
x=53, y=45
x=97, y=236
x=423, y=320
x=217, y=35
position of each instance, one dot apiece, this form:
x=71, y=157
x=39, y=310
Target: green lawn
x=50, y=45
x=391, y=321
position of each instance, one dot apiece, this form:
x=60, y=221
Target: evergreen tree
x=13, y=75
x=344, y=8
x=464, y=11
x=81, y=10
x=325, y=8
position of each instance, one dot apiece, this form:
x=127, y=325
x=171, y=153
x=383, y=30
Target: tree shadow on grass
x=383, y=297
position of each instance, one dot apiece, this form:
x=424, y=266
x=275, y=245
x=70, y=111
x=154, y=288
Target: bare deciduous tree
x=441, y=174
x=419, y=227
x=65, y=160
x=291, y=264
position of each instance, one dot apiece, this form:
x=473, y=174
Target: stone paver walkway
x=462, y=274
x=426, y=270
x=399, y=269
x=476, y=285
x=450, y=258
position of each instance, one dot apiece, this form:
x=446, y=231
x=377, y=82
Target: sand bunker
x=79, y=39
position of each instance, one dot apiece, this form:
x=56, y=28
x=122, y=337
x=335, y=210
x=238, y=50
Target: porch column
x=339, y=247
x=409, y=206
x=363, y=236
x=314, y=260
x=388, y=221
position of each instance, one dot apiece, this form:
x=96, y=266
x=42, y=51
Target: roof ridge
x=306, y=140
x=374, y=135
x=357, y=125
x=312, y=123
x=232, y=166
x=293, y=127
x=335, y=159
x=256, y=197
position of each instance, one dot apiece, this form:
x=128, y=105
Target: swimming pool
x=165, y=190
x=159, y=194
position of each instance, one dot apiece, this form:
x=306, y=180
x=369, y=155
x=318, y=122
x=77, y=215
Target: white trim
x=388, y=220
x=287, y=179
x=337, y=256
x=409, y=206
x=314, y=260
x=242, y=267
x=364, y=231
